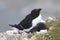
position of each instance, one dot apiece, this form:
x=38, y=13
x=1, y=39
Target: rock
x=2, y=37
x=49, y=19
x=15, y=35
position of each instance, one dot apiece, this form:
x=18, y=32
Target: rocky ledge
x=15, y=35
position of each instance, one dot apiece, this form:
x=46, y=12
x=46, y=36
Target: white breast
x=37, y=20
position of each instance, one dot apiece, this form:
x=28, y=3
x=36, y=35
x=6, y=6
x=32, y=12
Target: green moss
x=30, y=35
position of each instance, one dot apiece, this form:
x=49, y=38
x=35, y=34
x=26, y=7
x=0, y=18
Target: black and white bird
x=32, y=22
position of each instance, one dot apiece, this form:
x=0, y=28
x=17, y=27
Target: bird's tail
x=17, y=26
x=13, y=25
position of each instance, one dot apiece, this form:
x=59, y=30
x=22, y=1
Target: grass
x=53, y=34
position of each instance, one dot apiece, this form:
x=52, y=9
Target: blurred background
x=13, y=11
